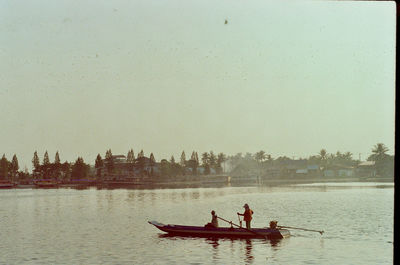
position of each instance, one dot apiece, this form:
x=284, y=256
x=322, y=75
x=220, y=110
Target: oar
x=240, y=221
x=230, y=222
x=304, y=229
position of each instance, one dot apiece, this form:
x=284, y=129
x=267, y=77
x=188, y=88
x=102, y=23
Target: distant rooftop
x=367, y=163
x=118, y=156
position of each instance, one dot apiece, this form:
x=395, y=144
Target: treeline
x=45, y=170
x=323, y=159
x=208, y=163
x=384, y=163
x=108, y=163
x=57, y=170
x=9, y=169
x=240, y=164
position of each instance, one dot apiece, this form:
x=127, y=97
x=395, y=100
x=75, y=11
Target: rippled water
x=67, y=226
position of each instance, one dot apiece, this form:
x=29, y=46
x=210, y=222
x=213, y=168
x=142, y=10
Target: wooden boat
x=5, y=184
x=46, y=183
x=201, y=231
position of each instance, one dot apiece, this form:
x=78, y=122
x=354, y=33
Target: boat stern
x=155, y=223
x=284, y=232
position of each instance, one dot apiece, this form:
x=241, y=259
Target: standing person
x=247, y=215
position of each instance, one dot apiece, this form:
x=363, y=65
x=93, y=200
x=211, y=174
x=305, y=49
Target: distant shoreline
x=214, y=181
x=324, y=180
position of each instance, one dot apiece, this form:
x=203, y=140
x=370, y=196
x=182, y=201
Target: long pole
x=304, y=229
x=230, y=222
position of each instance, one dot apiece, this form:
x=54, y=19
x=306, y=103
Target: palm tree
x=323, y=157
x=380, y=149
x=348, y=156
x=260, y=156
x=221, y=159
x=205, y=158
x=322, y=154
x=380, y=157
x=212, y=160
x=378, y=152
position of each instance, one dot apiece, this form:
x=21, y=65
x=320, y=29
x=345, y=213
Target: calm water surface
x=67, y=226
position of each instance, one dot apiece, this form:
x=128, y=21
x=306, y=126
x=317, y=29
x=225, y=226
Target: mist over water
x=90, y=226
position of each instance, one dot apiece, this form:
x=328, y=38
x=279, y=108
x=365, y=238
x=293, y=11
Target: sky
x=286, y=77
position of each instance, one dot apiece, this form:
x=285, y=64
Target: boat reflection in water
x=214, y=242
x=219, y=247
x=249, y=247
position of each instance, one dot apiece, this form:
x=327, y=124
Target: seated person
x=214, y=220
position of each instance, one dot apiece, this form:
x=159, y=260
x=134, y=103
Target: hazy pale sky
x=289, y=78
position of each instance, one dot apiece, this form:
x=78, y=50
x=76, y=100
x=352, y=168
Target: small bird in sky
x=226, y=21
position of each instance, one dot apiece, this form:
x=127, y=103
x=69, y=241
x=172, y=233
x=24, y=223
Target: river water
x=91, y=226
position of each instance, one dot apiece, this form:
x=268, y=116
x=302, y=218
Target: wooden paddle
x=298, y=228
x=230, y=222
x=240, y=221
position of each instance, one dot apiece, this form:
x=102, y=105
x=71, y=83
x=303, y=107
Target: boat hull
x=46, y=184
x=6, y=184
x=200, y=231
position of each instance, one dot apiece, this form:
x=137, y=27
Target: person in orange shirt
x=247, y=215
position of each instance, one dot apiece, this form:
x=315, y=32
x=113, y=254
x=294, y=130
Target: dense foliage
x=210, y=163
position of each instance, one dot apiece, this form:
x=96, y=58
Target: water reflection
x=274, y=242
x=219, y=246
x=321, y=186
x=195, y=195
x=183, y=195
x=131, y=196
x=171, y=237
x=214, y=243
x=249, y=247
x=112, y=221
x=173, y=196
x=153, y=198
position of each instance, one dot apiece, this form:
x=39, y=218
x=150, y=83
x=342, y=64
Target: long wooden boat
x=5, y=184
x=201, y=231
x=46, y=183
